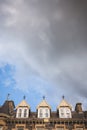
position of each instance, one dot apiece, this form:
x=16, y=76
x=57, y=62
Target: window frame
x=25, y=112
x=19, y=112
x=44, y=112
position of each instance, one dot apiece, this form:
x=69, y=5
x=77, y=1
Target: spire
x=43, y=97
x=23, y=103
x=43, y=103
x=8, y=95
x=64, y=103
x=63, y=97
x=24, y=97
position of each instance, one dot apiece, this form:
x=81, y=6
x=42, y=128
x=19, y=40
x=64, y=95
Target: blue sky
x=8, y=86
x=33, y=97
x=43, y=51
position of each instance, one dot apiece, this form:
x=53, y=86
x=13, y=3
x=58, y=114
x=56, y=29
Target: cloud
x=46, y=42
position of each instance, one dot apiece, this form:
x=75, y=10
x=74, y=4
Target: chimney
x=78, y=107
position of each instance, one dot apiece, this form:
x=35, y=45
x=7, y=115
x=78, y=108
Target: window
x=25, y=112
x=22, y=112
x=41, y=113
x=65, y=112
x=46, y=112
x=68, y=115
x=19, y=112
x=62, y=112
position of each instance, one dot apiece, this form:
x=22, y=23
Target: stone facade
x=9, y=120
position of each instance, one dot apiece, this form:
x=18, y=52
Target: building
x=22, y=118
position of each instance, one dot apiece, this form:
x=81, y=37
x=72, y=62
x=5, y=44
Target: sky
x=43, y=51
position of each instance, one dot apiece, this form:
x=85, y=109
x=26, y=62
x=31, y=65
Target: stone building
x=22, y=118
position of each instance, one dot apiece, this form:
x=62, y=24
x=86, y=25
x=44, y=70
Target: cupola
x=64, y=109
x=22, y=109
x=43, y=109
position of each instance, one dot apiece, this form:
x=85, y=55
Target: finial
x=24, y=97
x=63, y=97
x=43, y=97
x=8, y=96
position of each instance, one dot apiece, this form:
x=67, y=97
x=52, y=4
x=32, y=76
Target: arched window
x=62, y=112
x=68, y=113
x=41, y=113
x=25, y=112
x=19, y=112
x=46, y=112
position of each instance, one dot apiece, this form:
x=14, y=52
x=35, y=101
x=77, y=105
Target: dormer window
x=43, y=109
x=64, y=109
x=22, y=110
x=64, y=112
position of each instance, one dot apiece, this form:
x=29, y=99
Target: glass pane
x=40, y=110
x=25, y=112
x=19, y=113
x=46, y=114
x=41, y=115
x=68, y=115
x=62, y=110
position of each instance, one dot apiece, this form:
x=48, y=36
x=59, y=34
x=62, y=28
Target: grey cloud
x=53, y=34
